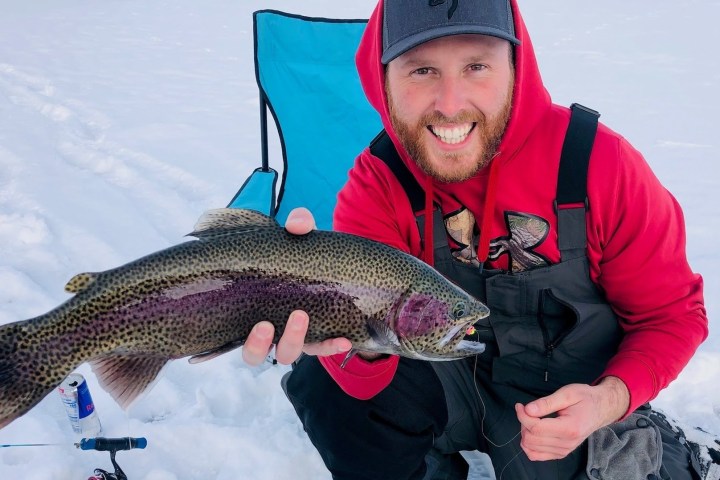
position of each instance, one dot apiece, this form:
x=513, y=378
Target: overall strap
x=571, y=202
x=384, y=149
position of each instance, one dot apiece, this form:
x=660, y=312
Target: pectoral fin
x=202, y=357
x=381, y=333
x=347, y=358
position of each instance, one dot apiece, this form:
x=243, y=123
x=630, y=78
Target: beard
x=490, y=131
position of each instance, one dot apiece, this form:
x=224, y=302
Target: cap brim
x=413, y=41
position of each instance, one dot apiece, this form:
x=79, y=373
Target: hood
x=531, y=102
x=530, y=99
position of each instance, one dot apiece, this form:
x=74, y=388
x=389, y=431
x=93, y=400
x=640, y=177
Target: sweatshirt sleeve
x=365, y=208
x=359, y=378
x=636, y=246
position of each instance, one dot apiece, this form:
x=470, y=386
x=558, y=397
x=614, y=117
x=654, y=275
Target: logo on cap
x=453, y=6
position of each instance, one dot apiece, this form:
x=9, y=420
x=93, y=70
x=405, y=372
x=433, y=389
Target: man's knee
x=318, y=401
x=356, y=438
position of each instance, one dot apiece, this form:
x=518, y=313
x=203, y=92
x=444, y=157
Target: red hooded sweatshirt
x=635, y=228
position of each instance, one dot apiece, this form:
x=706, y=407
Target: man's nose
x=450, y=96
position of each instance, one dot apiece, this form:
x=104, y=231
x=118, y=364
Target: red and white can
x=75, y=395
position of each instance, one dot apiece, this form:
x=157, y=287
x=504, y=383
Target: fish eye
x=459, y=310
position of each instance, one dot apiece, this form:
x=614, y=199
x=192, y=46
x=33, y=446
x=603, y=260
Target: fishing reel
x=112, y=445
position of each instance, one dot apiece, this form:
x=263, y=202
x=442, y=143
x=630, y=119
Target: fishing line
x=484, y=408
x=502, y=472
x=484, y=413
x=10, y=445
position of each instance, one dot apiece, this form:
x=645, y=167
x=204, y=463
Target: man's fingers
x=300, y=221
x=258, y=343
x=557, y=428
x=291, y=343
x=553, y=403
x=526, y=421
x=542, y=456
x=553, y=443
x=547, y=438
x=328, y=347
x=543, y=448
x=543, y=406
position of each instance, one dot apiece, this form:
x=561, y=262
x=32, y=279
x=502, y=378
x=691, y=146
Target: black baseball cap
x=408, y=23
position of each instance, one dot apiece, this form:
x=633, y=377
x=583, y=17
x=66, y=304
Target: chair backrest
x=305, y=70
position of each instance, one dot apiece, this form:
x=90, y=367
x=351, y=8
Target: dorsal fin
x=225, y=220
x=80, y=282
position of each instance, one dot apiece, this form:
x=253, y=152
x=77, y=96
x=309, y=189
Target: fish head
x=433, y=319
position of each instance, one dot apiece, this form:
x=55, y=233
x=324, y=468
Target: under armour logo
x=527, y=232
x=453, y=6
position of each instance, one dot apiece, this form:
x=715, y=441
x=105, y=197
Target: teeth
x=452, y=135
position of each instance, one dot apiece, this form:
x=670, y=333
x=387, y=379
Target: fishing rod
x=102, y=444
x=112, y=445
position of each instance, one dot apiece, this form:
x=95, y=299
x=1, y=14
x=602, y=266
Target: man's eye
x=422, y=71
x=478, y=67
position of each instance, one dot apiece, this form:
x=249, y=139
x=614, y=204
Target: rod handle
x=112, y=444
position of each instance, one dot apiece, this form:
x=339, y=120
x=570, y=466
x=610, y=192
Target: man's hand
x=580, y=410
x=292, y=343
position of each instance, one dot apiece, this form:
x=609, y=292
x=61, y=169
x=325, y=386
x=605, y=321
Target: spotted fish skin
x=202, y=297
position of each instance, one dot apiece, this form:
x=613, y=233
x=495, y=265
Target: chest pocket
x=551, y=327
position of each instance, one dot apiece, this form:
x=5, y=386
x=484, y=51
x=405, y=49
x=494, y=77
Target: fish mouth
x=462, y=348
x=468, y=348
x=454, y=331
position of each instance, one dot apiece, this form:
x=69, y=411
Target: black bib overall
x=548, y=327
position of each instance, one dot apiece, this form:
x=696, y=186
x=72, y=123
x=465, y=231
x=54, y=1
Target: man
x=594, y=307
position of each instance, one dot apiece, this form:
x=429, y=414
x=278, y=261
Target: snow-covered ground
x=122, y=121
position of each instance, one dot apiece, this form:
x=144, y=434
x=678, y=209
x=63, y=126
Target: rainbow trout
x=201, y=298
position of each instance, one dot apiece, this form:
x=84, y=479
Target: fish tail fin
x=21, y=374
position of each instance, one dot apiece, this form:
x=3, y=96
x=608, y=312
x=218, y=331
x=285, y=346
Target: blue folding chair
x=305, y=70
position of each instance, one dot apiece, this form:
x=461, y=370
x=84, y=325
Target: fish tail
x=20, y=370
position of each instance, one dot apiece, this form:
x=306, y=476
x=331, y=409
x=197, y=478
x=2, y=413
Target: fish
x=200, y=298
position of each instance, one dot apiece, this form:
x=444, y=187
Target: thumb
x=547, y=405
x=300, y=221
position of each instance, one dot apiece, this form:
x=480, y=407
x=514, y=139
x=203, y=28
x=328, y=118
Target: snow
x=122, y=121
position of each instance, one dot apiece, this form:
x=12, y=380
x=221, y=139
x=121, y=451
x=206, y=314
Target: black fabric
x=677, y=453
x=383, y=148
x=572, y=236
x=575, y=156
x=384, y=438
x=442, y=466
x=548, y=327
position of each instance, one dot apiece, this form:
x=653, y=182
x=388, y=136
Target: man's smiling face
x=450, y=101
